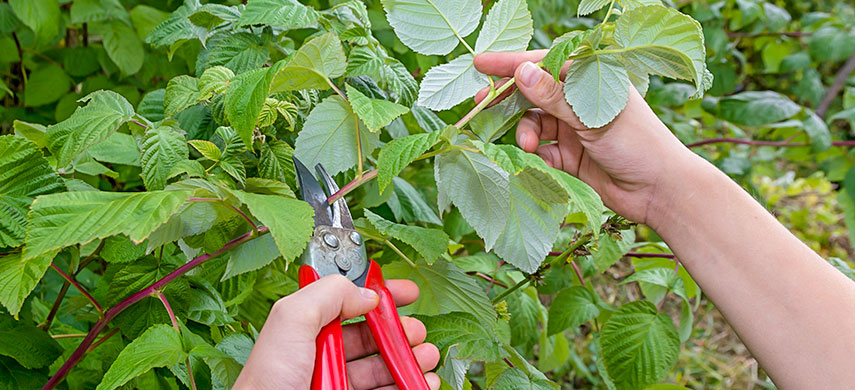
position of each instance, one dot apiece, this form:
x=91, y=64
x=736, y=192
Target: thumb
x=328, y=299
x=541, y=89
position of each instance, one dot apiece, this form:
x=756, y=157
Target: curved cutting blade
x=340, y=213
x=313, y=194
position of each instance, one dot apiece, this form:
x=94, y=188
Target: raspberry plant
x=170, y=220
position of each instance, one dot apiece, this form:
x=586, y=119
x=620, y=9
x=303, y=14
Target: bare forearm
x=792, y=309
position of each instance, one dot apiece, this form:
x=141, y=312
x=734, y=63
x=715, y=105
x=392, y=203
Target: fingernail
x=368, y=294
x=523, y=141
x=529, y=74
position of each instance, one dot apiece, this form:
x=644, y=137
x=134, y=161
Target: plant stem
x=354, y=184
x=111, y=313
x=488, y=278
x=337, y=90
x=78, y=287
x=236, y=210
x=562, y=256
x=651, y=255
x=578, y=272
x=177, y=327
x=836, y=86
x=511, y=290
x=68, y=336
x=20, y=61
x=398, y=251
x=484, y=103
x=55, y=308
x=103, y=339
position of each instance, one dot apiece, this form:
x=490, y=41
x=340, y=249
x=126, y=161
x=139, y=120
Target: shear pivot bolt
x=331, y=240
x=343, y=263
x=356, y=238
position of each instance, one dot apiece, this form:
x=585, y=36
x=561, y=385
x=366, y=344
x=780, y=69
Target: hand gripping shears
x=337, y=248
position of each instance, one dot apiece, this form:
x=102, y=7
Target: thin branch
x=110, y=314
x=20, y=61
x=90, y=258
x=103, y=339
x=651, y=255
x=510, y=291
x=354, y=184
x=834, y=89
x=782, y=144
x=485, y=103
x=487, y=278
x=67, y=336
x=177, y=327
x=55, y=308
x=398, y=251
x=78, y=287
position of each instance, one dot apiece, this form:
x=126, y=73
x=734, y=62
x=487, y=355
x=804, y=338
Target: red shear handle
x=330, y=372
x=389, y=334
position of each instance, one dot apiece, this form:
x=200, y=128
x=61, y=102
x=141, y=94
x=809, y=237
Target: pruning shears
x=337, y=248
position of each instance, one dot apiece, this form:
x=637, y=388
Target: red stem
x=354, y=184
x=77, y=286
x=178, y=328
x=78, y=353
x=759, y=143
x=578, y=273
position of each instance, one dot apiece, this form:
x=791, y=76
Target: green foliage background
x=143, y=136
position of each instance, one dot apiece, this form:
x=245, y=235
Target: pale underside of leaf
x=508, y=27
x=333, y=136
x=433, y=27
x=597, y=87
x=447, y=85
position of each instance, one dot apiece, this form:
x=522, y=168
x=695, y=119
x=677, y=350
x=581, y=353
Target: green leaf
x=88, y=11
x=145, y=19
x=464, y=331
x=430, y=243
x=120, y=249
x=89, y=125
x=525, y=310
x=375, y=113
x=162, y=149
x=332, y=136
x=268, y=187
x=181, y=92
x=587, y=7
x=19, y=277
x=159, y=346
x=251, y=256
x=46, y=85
x=662, y=41
x=211, y=16
x=531, y=229
x=31, y=131
x=508, y=27
x=313, y=66
x=240, y=52
x=207, y=306
x=290, y=220
x=571, y=308
x=492, y=123
x=60, y=220
x=214, y=81
x=390, y=73
x=610, y=250
x=119, y=148
x=515, y=379
x=450, y=290
x=41, y=16
x=207, y=149
x=408, y=204
x=24, y=174
x=756, y=108
x=664, y=278
x=29, y=345
x=275, y=162
x=639, y=345
x=597, y=87
x=13, y=376
x=582, y=198
x=432, y=27
x=478, y=187
x=122, y=46
x=447, y=85
x=831, y=43
x=400, y=153
x=817, y=130
x=288, y=14
x=177, y=28
x=561, y=52
x=245, y=96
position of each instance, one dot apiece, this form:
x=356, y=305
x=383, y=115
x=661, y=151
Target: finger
x=321, y=302
x=534, y=127
x=483, y=93
x=359, y=342
x=370, y=373
x=505, y=64
x=541, y=89
x=434, y=383
x=404, y=292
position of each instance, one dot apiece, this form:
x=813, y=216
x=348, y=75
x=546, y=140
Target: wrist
x=682, y=183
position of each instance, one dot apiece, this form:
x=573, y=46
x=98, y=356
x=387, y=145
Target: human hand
x=627, y=161
x=284, y=354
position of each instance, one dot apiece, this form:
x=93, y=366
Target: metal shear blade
x=335, y=215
